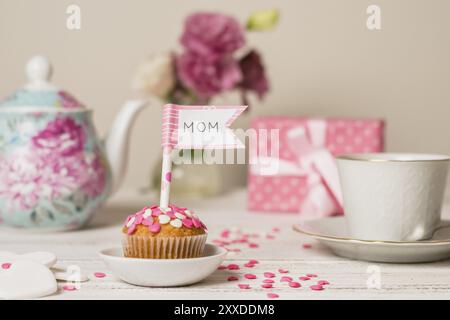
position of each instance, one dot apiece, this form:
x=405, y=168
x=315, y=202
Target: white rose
x=156, y=76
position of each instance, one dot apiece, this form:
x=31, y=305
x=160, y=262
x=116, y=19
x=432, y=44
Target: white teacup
x=393, y=196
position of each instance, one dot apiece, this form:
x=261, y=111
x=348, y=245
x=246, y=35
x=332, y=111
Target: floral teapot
x=54, y=171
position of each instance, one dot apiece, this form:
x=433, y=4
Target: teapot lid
x=39, y=92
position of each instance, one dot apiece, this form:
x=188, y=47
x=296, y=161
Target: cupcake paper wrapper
x=163, y=248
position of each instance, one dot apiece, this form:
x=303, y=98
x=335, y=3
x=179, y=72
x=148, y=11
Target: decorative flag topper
x=195, y=127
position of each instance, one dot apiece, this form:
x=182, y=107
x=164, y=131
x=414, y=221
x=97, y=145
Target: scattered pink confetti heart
x=283, y=271
x=276, y=229
x=294, y=284
x=267, y=285
x=286, y=279
x=244, y=286
x=253, y=261
x=250, y=276
x=6, y=266
x=304, y=278
x=69, y=287
x=307, y=246
x=322, y=282
x=316, y=287
x=311, y=275
x=272, y=295
x=249, y=265
x=233, y=267
x=268, y=281
x=99, y=274
x=253, y=245
x=269, y=274
x=232, y=278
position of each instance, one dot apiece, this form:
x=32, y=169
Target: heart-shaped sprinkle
x=311, y=275
x=253, y=245
x=307, y=246
x=99, y=275
x=253, y=261
x=316, y=287
x=176, y=223
x=267, y=285
x=233, y=267
x=269, y=274
x=250, y=276
x=155, y=228
x=6, y=266
x=283, y=270
x=268, y=281
x=304, y=278
x=272, y=295
x=322, y=282
x=244, y=286
x=147, y=213
x=187, y=223
x=69, y=287
x=285, y=279
x=294, y=284
x=232, y=278
x=164, y=219
x=249, y=265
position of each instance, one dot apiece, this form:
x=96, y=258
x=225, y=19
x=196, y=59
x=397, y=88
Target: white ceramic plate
x=163, y=272
x=333, y=233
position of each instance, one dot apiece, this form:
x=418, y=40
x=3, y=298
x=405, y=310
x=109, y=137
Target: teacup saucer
x=333, y=233
x=163, y=272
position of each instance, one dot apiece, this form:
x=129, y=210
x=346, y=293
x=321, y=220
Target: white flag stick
x=166, y=177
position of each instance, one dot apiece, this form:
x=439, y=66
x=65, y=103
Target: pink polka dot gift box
x=292, y=166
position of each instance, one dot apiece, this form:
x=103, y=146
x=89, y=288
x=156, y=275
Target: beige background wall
x=322, y=61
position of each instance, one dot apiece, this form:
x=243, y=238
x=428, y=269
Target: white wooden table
x=348, y=278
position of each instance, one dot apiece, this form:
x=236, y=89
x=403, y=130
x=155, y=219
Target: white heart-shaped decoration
x=25, y=279
x=45, y=258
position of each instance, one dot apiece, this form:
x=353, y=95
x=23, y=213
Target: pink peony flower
x=253, y=74
x=61, y=137
x=212, y=35
x=208, y=77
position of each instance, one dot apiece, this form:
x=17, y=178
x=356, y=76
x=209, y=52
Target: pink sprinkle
x=233, y=267
x=307, y=246
x=322, y=282
x=316, y=287
x=249, y=265
x=253, y=245
x=244, y=286
x=283, y=271
x=69, y=287
x=276, y=229
x=6, y=266
x=155, y=228
x=253, y=261
x=225, y=233
x=286, y=279
x=272, y=296
x=269, y=274
x=250, y=276
x=187, y=223
x=267, y=285
x=99, y=274
x=294, y=284
x=222, y=267
x=311, y=275
x=233, y=278
x=270, y=237
x=268, y=281
x=169, y=176
x=304, y=278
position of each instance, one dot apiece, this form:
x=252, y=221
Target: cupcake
x=163, y=233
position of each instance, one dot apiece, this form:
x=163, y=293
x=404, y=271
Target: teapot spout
x=117, y=141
